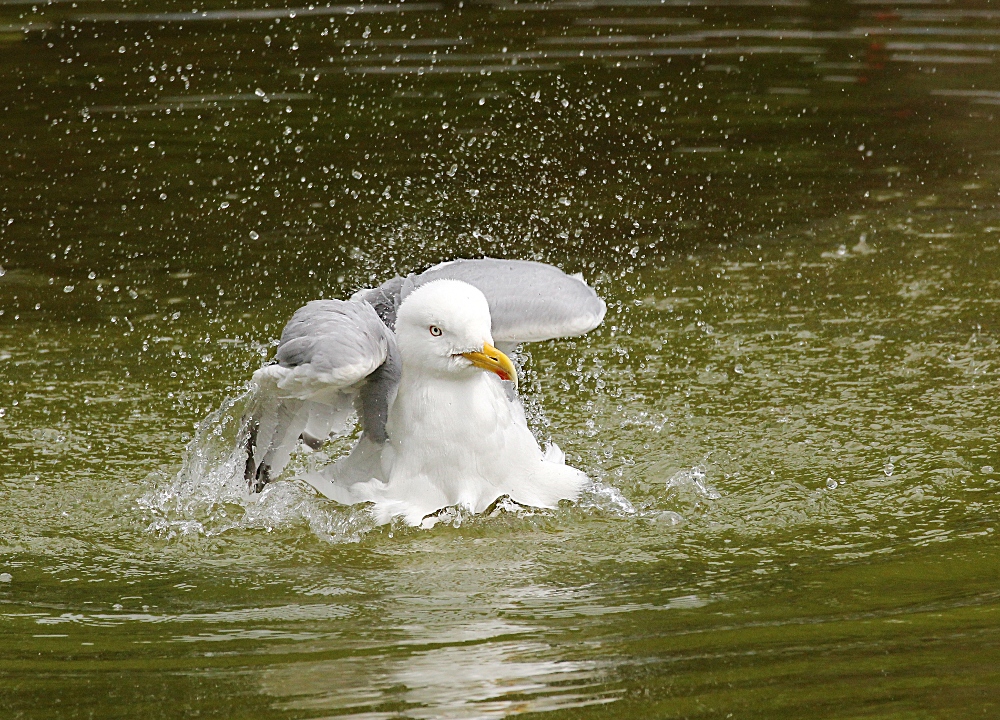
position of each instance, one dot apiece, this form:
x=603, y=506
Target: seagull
x=423, y=363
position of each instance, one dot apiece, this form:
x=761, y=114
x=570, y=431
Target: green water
x=790, y=413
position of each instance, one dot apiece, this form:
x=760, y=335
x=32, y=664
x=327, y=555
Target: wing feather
x=327, y=353
x=529, y=301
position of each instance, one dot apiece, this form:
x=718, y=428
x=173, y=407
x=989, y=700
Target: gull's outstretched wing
x=529, y=301
x=334, y=357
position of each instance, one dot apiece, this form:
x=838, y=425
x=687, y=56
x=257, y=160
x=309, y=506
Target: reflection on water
x=789, y=413
x=473, y=680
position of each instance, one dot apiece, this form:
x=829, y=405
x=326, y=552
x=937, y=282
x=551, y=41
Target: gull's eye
x=435, y=331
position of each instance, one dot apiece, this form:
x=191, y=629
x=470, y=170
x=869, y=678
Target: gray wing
x=529, y=301
x=334, y=357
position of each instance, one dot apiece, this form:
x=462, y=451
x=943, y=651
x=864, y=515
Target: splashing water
x=693, y=480
x=209, y=495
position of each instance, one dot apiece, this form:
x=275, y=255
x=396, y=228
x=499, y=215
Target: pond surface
x=790, y=412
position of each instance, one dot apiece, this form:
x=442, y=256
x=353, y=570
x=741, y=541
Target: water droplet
x=831, y=484
x=986, y=469
x=69, y=288
x=258, y=92
x=152, y=78
x=254, y=235
x=356, y=174
x=91, y=275
x=152, y=143
x=2, y=271
x=669, y=518
x=739, y=369
x=6, y=577
x=224, y=205
x=889, y=467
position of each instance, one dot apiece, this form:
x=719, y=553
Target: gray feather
x=377, y=394
x=529, y=301
x=333, y=355
x=332, y=336
x=385, y=299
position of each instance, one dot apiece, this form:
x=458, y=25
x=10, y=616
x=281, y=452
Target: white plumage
x=454, y=435
x=443, y=425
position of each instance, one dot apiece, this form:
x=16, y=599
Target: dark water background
x=790, y=412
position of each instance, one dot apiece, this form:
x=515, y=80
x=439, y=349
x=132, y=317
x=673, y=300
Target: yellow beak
x=495, y=361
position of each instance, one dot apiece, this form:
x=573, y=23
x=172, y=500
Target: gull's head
x=444, y=327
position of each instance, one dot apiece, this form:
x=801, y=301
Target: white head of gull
x=443, y=424
x=443, y=332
